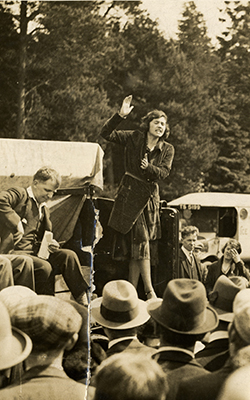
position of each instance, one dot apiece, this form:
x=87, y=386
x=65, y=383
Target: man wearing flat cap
x=209, y=386
x=53, y=325
x=120, y=312
x=183, y=317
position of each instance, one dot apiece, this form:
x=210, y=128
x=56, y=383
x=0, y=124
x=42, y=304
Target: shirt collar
x=158, y=145
x=121, y=339
x=31, y=194
x=217, y=335
x=173, y=348
x=186, y=252
x=39, y=206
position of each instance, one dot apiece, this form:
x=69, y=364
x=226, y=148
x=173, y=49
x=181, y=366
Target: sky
x=168, y=12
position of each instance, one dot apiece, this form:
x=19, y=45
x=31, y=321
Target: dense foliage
x=66, y=66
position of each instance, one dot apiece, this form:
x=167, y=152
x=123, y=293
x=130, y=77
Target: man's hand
x=126, y=107
x=17, y=236
x=53, y=246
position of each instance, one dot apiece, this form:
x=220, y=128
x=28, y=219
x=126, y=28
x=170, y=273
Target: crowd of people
x=193, y=343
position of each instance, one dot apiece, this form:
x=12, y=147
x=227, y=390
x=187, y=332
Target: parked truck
x=218, y=216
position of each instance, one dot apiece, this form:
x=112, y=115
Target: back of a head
x=237, y=386
x=129, y=376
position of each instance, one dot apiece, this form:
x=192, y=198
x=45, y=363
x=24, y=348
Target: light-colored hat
x=119, y=307
x=222, y=296
x=46, y=319
x=11, y=295
x=242, y=322
x=184, y=308
x=15, y=345
x=241, y=299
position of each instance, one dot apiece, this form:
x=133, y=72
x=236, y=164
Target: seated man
x=24, y=218
x=16, y=270
x=53, y=325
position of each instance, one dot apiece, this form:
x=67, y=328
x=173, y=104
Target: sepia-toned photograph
x=125, y=200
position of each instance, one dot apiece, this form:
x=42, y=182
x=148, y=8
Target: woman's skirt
x=136, y=243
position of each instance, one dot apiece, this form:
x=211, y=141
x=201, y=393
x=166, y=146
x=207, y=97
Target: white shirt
x=39, y=206
x=173, y=348
x=121, y=339
x=188, y=254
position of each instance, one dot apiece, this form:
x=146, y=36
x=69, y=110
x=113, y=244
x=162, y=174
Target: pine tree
x=230, y=172
x=8, y=73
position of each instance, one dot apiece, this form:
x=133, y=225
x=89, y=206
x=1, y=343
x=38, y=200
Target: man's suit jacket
x=14, y=203
x=178, y=366
x=214, y=355
x=133, y=345
x=205, y=387
x=184, y=268
x=43, y=383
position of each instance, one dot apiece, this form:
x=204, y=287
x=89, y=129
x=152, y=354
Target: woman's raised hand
x=126, y=107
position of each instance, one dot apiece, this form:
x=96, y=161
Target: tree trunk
x=20, y=134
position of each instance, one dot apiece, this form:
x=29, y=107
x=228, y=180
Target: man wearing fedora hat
x=15, y=345
x=183, y=317
x=216, y=351
x=209, y=386
x=53, y=325
x=120, y=312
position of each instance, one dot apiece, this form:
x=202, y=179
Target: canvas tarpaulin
x=80, y=165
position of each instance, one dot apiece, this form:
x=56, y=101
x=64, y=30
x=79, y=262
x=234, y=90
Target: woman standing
x=135, y=214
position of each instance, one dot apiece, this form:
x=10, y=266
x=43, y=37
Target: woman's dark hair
x=234, y=244
x=145, y=121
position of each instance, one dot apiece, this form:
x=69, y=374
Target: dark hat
x=119, y=307
x=222, y=296
x=46, y=319
x=15, y=345
x=184, y=308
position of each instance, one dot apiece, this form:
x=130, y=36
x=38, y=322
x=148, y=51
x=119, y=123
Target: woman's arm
x=108, y=131
x=239, y=265
x=162, y=169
